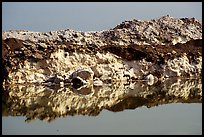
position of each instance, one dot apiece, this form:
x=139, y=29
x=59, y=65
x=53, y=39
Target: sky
x=89, y=16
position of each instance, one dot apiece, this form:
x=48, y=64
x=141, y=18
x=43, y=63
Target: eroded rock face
x=137, y=63
x=133, y=50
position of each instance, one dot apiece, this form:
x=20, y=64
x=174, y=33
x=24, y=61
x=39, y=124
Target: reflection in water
x=48, y=103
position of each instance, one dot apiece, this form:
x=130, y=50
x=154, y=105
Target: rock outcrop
x=133, y=50
x=67, y=72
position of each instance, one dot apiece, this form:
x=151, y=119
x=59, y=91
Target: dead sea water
x=173, y=107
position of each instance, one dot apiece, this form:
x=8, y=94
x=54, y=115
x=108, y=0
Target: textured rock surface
x=157, y=31
x=133, y=50
x=65, y=72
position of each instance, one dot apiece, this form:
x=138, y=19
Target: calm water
x=174, y=107
x=169, y=119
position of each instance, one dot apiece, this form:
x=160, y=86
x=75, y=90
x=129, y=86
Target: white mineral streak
x=181, y=66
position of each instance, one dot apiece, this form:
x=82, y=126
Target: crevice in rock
x=77, y=83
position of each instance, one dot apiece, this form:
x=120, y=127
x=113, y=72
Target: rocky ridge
x=134, y=50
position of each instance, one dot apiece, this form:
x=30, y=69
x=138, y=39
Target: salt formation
x=160, y=48
x=66, y=72
x=134, y=50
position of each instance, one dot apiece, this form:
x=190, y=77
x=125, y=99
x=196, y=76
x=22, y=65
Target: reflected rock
x=45, y=103
x=47, y=75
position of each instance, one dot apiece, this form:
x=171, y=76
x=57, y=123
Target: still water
x=173, y=107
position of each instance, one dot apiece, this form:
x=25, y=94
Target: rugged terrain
x=133, y=50
x=67, y=72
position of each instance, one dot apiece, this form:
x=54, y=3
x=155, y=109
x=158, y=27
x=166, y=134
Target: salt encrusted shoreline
x=134, y=50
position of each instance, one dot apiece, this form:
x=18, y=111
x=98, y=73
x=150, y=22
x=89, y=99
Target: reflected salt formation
x=50, y=102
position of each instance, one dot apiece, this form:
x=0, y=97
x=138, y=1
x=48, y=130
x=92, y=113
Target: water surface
x=172, y=107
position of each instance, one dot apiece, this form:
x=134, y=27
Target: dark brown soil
x=157, y=53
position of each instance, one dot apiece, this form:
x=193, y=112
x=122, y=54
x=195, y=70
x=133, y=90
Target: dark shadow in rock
x=77, y=83
x=54, y=79
x=129, y=53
